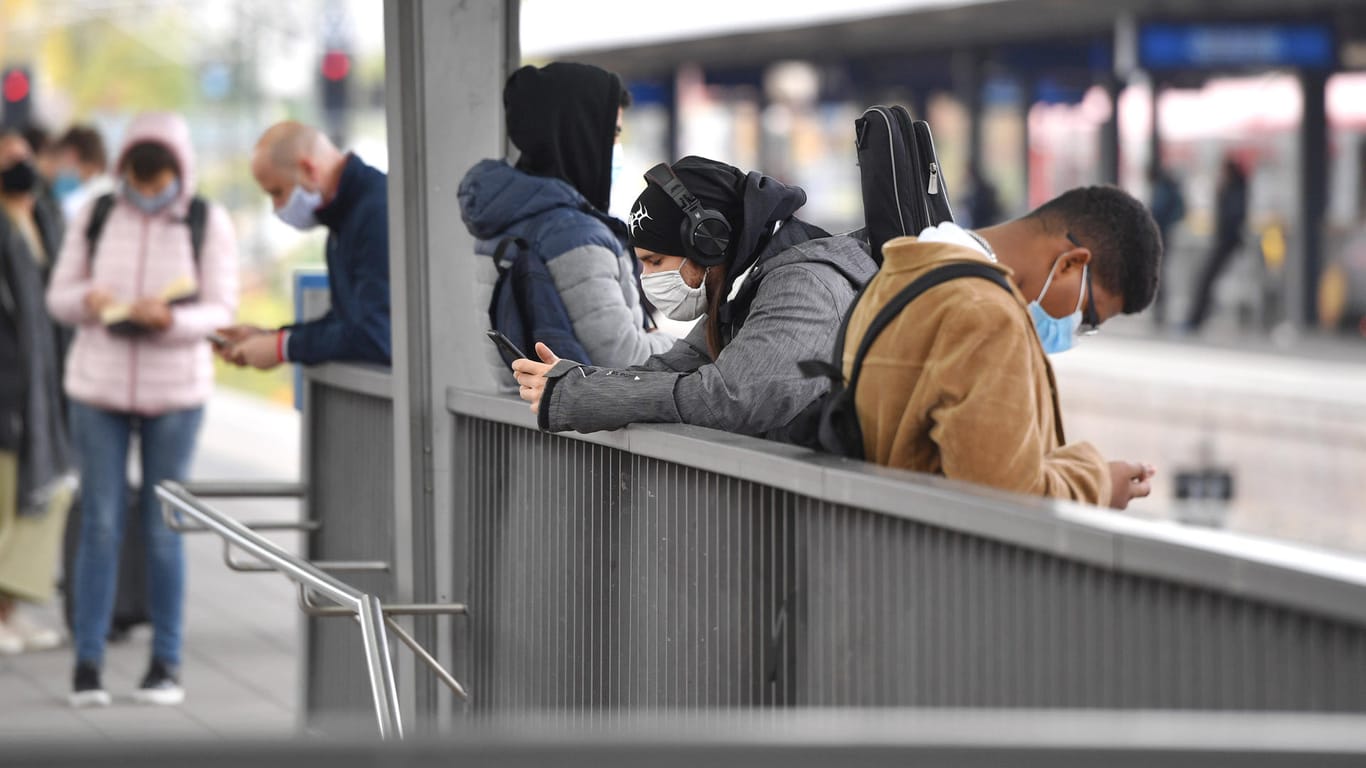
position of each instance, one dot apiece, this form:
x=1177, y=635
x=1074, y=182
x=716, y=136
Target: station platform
x=240, y=667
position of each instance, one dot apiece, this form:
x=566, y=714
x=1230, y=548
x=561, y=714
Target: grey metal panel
x=603, y=577
x=351, y=486
x=1257, y=569
x=846, y=738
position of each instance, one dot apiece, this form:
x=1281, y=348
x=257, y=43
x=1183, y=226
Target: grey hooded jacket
x=800, y=292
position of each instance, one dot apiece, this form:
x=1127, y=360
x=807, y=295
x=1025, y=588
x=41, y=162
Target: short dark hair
x=146, y=159
x=37, y=137
x=87, y=143
x=1126, y=248
x=626, y=100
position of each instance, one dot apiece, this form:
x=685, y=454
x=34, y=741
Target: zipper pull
x=934, y=179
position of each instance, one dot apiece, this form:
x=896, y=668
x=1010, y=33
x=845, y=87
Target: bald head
x=292, y=153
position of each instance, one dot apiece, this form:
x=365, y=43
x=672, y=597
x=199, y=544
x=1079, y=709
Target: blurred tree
x=118, y=63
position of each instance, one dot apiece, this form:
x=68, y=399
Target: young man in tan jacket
x=959, y=383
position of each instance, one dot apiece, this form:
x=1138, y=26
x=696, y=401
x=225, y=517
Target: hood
x=798, y=241
x=171, y=130
x=563, y=118
x=495, y=197
x=909, y=255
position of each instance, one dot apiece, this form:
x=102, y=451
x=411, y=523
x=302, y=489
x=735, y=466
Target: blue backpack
x=526, y=306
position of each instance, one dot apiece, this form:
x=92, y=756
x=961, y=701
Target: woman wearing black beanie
x=701, y=228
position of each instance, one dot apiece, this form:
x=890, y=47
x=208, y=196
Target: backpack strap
x=910, y=293
x=98, y=216
x=197, y=219
x=500, y=253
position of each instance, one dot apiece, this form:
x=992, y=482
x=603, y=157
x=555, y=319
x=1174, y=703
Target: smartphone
x=505, y=344
x=216, y=340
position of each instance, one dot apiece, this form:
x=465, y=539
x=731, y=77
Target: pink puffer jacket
x=139, y=255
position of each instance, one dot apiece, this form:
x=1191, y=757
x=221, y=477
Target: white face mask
x=298, y=211
x=673, y=296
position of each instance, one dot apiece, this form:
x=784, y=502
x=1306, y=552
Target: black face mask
x=18, y=178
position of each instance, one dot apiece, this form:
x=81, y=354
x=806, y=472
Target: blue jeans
x=102, y=439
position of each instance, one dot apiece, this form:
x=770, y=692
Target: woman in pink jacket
x=143, y=302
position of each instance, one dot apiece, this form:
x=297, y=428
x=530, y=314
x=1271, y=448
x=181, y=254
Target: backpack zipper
x=934, y=179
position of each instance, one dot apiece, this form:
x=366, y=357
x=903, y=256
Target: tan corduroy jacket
x=959, y=385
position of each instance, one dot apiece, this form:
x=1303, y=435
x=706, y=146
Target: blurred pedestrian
x=144, y=298
x=1168, y=205
x=312, y=183
x=984, y=204
x=81, y=169
x=35, y=456
x=1230, y=222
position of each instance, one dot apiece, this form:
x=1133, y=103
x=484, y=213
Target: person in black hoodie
x=737, y=370
x=35, y=454
x=564, y=118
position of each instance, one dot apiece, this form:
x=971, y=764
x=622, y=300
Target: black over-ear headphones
x=706, y=233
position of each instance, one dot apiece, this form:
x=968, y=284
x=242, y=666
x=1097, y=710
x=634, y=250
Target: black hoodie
x=563, y=118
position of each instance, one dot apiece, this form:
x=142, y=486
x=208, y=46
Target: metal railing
x=312, y=579
x=792, y=739
x=677, y=567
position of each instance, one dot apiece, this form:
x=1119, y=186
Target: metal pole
x=380, y=666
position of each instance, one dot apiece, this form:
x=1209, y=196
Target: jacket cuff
x=552, y=377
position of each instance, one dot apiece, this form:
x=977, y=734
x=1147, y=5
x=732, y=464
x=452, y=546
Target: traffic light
x=16, y=85
x=335, y=85
x=336, y=80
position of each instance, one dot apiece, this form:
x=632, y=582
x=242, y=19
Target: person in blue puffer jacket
x=565, y=120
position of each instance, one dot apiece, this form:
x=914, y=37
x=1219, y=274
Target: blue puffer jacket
x=588, y=263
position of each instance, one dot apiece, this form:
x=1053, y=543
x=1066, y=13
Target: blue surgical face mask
x=66, y=184
x=298, y=211
x=1057, y=334
x=154, y=204
x=617, y=163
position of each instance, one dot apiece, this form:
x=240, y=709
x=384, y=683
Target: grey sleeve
x=590, y=399
x=685, y=356
x=753, y=387
x=597, y=287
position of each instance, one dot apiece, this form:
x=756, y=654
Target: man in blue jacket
x=311, y=182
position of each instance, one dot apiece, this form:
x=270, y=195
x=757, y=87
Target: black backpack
x=903, y=186
x=831, y=423
x=903, y=193
x=196, y=219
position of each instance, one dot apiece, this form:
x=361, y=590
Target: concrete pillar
x=445, y=68
x=1109, y=133
x=1302, y=308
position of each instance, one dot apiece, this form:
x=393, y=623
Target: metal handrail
x=365, y=607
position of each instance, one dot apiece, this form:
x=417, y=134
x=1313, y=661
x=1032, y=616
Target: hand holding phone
x=505, y=344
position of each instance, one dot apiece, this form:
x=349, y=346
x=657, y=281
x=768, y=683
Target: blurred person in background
x=143, y=304
x=738, y=368
x=984, y=203
x=1230, y=219
x=35, y=456
x=310, y=183
x=80, y=172
x=45, y=162
x=1168, y=205
x=566, y=120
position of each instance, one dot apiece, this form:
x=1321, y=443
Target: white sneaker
x=11, y=642
x=86, y=689
x=160, y=686
x=36, y=637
